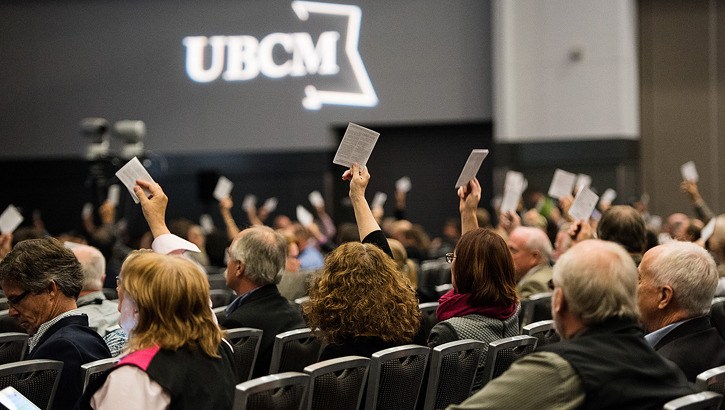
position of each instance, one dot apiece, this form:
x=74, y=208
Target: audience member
x=256, y=257
x=102, y=313
x=405, y=265
x=603, y=360
x=531, y=252
x=562, y=242
x=360, y=303
x=177, y=357
x=676, y=285
x=41, y=280
x=699, y=205
x=293, y=283
x=483, y=303
x=310, y=257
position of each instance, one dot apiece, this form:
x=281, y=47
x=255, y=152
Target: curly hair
x=360, y=292
x=172, y=296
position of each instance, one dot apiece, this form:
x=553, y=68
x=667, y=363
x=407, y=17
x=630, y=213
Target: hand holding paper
x=114, y=195
x=359, y=178
x=403, y=184
x=270, y=205
x=316, y=200
x=10, y=219
x=250, y=201
x=223, y=188
x=473, y=164
x=584, y=205
x=153, y=206
x=356, y=146
x=132, y=172
x=304, y=217
x=689, y=172
x=379, y=200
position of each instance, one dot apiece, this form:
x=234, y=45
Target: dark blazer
x=695, y=346
x=72, y=342
x=269, y=311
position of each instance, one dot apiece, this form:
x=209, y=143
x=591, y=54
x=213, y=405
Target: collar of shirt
x=655, y=337
x=533, y=270
x=90, y=298
x=33, y=341
x=236, y=302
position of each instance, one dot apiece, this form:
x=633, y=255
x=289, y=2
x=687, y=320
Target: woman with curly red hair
x=361, y=303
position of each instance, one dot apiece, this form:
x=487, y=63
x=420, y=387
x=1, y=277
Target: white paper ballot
x=206, y=223
x=315, y=199
x=608, y=196
x=87, y=210
x=270, y=204
x=129, y=173
x=470, y=169
x=583, y=205
x=689, y=172
x=10, y=219
x=223, y=188
x=356, y=146
x=561, y=184
x=250, y=201
x=379, y=200
x=708, y=230
x=304, y=216
x=513, y=188
x=114, y=195
x=583, y=180
x=655, y=223
x=14, y=400
x=403, y=184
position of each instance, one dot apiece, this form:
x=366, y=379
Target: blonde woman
x=175, y=356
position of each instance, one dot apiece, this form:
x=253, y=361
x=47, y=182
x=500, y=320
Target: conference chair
x=451, y=373
x=535, y=308
x=217, y=280
x=90, y=372
x=432, y=273
x=395, y=377
x=294, y=350
x=220, y=313
x=4, y=304
x=705, y=400
x=284, y=391
x=712, y=380
x=717, y=314
x=245, y=342
x=35, y=379
x=301, y=301
x=13, y=346
x=501, y=353
x=543, y=331
x=336, y=384
x=428, y=317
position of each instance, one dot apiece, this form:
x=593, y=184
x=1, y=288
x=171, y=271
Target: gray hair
x=599, y=281
x=263, y=252
x=93, y=265
x=34, y=263
x=691, y=272
x=536, y=240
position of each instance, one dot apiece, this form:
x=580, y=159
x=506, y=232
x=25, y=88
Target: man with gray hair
x=531, y=251
x=603, y=360
x=676, y=285
x=257, y=255
x=102, y=313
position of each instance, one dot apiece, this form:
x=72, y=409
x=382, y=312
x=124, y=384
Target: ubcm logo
x=247, y=57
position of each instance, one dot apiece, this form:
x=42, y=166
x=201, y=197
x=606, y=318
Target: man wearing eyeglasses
x=42, y=280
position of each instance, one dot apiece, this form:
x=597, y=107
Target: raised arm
x=470, y=196
x=225, y=208
x=359, y=178
x=153, y=207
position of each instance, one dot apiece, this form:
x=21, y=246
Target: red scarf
x=456, y=304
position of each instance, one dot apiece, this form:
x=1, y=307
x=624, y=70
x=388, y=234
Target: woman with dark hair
x=361, y=303
x=483, y=304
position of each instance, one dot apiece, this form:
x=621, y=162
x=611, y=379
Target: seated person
x=41, y=280
x=176, y=355
x=361, y=303
x=102, y=313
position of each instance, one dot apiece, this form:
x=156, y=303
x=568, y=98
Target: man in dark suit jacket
x=41, y=280
x=256, y=257
x=676, y=285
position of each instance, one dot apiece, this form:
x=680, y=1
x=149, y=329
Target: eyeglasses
x=15, y=300
x=449, y=257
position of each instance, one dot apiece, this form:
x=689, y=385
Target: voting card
x=689, y=172
x=403, y=184
x=223, y=188
x=87, y=210
x=561, y=184
x=583, y=205
x=114, y=195
x=582, y=180
x=608, y=196
x=206, y=223
x=304, y=216
x=379, y=200
x=513, y=188
x=315, y=198
x=470, y=169
x=249, y=202
x=356, y=146
x=708, y=230
x=10, y=219
x=129, y=173
x=270, y=204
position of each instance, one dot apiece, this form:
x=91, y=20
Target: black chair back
x=294, y=350
x=13, y=346
x=535, y=308
x=92, y=371
x=337, y=384
x=245, y=342
x=220, y=297
x=452, y=370
x=284, y=391
x=35, y=379
x=697, y=401
x=395, y=377
x=501, y=353
x=543, y=331
x=712, y=380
